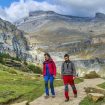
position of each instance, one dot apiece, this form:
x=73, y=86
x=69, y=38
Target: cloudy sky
x=13, y=10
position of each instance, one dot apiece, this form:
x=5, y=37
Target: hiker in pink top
x=49, y=73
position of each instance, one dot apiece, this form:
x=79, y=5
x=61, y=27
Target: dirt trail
x=59, y=100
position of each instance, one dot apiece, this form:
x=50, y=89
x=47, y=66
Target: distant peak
x=100, y=15
x=34, y=13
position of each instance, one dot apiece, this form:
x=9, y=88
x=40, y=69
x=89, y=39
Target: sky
x=13, y=10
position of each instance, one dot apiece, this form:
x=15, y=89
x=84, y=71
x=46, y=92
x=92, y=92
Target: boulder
x=94, y=90
x=91, y=75
x=95, y=96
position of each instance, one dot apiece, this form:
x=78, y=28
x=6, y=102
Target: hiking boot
x=67, y=100
x=75, y=95
x=46, y=97
x=53, y=96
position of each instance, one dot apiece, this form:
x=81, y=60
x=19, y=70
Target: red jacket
x=51, y=65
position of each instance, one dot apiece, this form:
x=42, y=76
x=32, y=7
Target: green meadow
x=19, y=86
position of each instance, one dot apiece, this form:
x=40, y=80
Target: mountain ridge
x=98, y=15
x=52, y=30
x=40, y=24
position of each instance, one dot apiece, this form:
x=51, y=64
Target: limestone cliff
x=12, y=40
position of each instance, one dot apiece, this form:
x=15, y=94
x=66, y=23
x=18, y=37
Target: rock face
x=40, y=26
x=12, y=40
x=81, y=37
x=61, y=32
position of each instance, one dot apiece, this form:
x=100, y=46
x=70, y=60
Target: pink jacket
x=51, y=65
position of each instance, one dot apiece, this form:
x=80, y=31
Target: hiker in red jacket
x=49, y=73
x=68, y=73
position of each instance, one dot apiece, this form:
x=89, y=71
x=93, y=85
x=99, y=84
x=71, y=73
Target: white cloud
x=21, y=9
x=80, y=7
x=2, y=13
x=71, y=7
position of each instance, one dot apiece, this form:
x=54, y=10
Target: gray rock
x=95, y=96
x=12, y=40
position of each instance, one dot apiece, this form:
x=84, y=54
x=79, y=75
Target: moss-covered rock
x=91, y=75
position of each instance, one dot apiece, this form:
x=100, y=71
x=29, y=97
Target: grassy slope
x=14, y=84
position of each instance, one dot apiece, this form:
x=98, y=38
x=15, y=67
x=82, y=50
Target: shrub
x=4, y=55
x=16, y=58
x=2, y=60
x=35, y=69
x=25, y=63
x=12, y=71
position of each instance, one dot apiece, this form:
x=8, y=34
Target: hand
x=74, y=77
x=61, y=77
x=54, y=76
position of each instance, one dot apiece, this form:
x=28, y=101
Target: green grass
x=102, y=85
x=79, y=80
x=22, y=86
x=87, y=101
x=16, y=84
x=13, y=86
